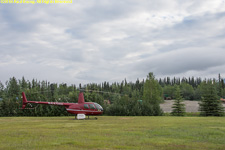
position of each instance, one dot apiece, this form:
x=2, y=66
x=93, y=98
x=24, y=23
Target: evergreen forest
x=140, y=98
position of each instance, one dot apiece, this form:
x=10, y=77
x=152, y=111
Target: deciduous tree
x=152, y=94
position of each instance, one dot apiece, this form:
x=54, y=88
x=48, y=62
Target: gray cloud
x=95, y=41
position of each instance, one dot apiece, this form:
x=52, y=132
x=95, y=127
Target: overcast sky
x=91, y=41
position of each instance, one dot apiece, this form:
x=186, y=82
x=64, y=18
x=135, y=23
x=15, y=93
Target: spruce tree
x=1, y=91
x=178, y=106
x=210, y=104
x=13, y=88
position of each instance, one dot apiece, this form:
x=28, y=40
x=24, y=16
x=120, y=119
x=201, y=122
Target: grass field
x=112, y=133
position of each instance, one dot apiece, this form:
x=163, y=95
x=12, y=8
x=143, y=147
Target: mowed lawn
x=108, y=132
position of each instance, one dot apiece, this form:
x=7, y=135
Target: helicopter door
x=91, y=106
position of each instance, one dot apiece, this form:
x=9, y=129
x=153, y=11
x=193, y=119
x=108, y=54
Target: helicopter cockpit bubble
x=99, y=107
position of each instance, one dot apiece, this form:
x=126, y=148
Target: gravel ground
x=191, y=106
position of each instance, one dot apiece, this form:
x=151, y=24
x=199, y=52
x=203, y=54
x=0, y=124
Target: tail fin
x=24, y=100
x=81, y=98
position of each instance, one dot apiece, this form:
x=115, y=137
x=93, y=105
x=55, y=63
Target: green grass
x=164, y=132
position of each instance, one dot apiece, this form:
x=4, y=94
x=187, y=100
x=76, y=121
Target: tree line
x=127, y=98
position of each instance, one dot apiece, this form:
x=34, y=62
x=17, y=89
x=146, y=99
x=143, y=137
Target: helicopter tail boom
x=25, y=102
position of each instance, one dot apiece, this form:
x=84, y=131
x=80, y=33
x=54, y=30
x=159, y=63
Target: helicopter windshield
x=98, y=106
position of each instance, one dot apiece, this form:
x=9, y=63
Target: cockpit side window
x=91, y=106
x=86, y=106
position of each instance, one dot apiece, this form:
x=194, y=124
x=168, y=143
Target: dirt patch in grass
x=191, y=106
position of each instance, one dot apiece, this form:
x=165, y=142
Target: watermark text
x=34, y=1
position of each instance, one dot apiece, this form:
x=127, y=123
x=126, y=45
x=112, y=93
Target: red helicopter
x=81, y=108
